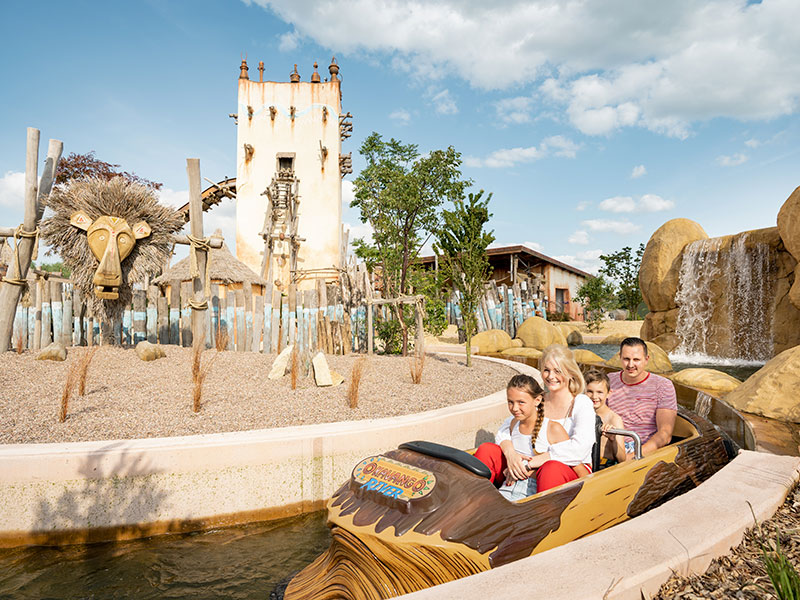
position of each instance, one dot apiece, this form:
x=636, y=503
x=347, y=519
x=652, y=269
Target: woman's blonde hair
x=565, y=361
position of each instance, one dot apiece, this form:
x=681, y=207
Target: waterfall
x=725, y=299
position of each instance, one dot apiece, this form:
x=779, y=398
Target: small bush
x=221, y=342
x=358, y=370
x=199, y=373
x=69, y=385
x=83, y=369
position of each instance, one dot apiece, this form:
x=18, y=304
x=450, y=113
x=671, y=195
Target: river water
x=236, y=562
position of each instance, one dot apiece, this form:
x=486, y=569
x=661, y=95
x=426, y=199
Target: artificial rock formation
x=571, y=333
x=538, y=333
x=716, y=383
x=54, y=351
x=789, y=229
x=615, y=339
x=658, y=274
x=526, y=352
x=491, y=340
x=659, y=361
x=772, y=391
x=587, y=357
x=281, y=363
x=668, y=341
x=147, y=351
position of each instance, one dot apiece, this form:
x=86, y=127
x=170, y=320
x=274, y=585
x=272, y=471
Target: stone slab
x=278, y=369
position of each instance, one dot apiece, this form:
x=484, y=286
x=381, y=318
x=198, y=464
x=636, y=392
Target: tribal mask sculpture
x=110, y=234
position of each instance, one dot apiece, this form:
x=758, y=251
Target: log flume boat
x=425, y=514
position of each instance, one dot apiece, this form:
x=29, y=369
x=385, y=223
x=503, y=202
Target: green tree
x=622, y=267
x=399, y=193
x=597, y=296
x=82, y=166
x=461, y=244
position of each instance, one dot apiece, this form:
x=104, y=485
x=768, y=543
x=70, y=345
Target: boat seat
x=458, y=457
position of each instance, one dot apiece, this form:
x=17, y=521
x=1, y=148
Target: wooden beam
x=199, y=291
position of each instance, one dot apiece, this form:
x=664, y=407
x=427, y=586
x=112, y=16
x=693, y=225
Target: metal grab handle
x=637, y=441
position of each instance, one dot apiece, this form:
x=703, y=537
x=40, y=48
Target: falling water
x=725, y=300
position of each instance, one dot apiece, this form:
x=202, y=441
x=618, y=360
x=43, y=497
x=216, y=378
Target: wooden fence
x=332, y=318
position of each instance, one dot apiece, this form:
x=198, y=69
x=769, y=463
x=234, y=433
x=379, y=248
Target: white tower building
x=289, y=169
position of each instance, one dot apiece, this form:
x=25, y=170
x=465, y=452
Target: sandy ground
x=129, y=398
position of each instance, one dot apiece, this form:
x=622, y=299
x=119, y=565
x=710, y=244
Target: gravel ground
x=128, y=398
x=741, y=574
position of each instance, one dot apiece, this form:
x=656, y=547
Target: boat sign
x=394, y=479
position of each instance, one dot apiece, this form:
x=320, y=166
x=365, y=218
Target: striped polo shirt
x=637, y=403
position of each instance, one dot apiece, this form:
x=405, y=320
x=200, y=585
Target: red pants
x=549, y=475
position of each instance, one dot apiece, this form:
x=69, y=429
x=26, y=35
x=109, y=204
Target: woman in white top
x=566, y=408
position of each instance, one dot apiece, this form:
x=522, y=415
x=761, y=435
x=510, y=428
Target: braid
x=538, y=426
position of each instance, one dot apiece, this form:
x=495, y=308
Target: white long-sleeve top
x=579, y=426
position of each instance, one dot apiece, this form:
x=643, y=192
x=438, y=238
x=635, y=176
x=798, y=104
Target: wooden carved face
x=111, y=240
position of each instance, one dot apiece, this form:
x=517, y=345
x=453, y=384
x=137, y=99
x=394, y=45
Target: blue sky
x=592, y=123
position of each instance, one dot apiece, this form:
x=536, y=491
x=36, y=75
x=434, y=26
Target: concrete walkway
x=637, y=556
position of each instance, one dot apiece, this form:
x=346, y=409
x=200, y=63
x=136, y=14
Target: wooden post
x=247, y=289
x=78, y=316
x=47, y=315
x=186, y=313
x=292, y=337
x=66, y=324
x=241, y=326
x=162, y=309
x=174, y=312
x=370, y=339
x=276, y=321
x=284, y=322
x=199, y=305
x=266, y=348
x=151, y=314
x=127, y=328
x=258, y=323
x=57, y=309
x=34, y=194
x=32, y=310
x=420, y=329
x=313, y=303
x=230, y=317
x=139, y=316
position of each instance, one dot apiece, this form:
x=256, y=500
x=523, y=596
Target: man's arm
x=665, y=422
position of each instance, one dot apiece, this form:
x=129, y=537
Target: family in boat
x=549, y=437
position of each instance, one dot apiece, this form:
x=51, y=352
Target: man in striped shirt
x=645, y=401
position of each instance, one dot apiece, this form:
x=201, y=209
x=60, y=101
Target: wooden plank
x=47, y=315
x=370, y=333
x=284, y=322
x=258, y=323
x=151, y=310
x=187, y=293
x=216, y=323
x=230, y=316
x=32, y=310
x=241, y=325
x=139, y=316
x=66, y=323
x=162, y=310
x=420, y=342
x=313, y=312
x=175, y=312
x=292, y=317
x=275, y=328
x=127, y=327
x=247, y=290
x=57, y=309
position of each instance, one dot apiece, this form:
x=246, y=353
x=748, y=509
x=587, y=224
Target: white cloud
x=359, y=230
x=348, y=193
x=607, y=225
x=583, y=205
x=556, y=145
x=12, y=190
x=660, y=66
x=618, y=204
x=638, y=171
x=289, y=41
x=174, y=198
x=732, y=161
x=443, y=103
x=534, y=246
x=654, y=203
x=752, y=143
x=515, y=110
x=588, y=260
x=579, y=237
x=400, y=116
x=627, y=204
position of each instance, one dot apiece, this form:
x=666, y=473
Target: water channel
x=236, y=562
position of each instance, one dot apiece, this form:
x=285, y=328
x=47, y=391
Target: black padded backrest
x=459, y=457
x=598, y=435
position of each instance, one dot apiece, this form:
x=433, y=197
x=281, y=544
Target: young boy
x=612, y=447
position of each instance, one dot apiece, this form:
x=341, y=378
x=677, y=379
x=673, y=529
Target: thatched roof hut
x=226, y=270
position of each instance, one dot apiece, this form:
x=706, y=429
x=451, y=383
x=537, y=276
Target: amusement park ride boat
x=425, y=514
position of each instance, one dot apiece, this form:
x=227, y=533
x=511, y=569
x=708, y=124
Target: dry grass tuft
x=83, y=369
x=221, y=343
x=417, y=364
x=295, y=368
x=356, y=373
x=20, y=344
x=69, y=385
x=199, y=373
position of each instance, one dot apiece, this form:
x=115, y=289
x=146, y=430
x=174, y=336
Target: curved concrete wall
x=92, y=491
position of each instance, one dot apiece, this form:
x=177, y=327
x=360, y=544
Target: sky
x=591, y=122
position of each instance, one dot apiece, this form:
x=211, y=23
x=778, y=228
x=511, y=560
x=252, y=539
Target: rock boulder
x=538, y=333
x=147, y=351
x=667, y=341
x=789, y=223
x=772, y=391
x=278, y=369
x=54, y=351
x=661, y=262
x=712, y=381
x=659, y=361
x=492, y=340
x=322, y=372
x=587, y=357
x=526, y=352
